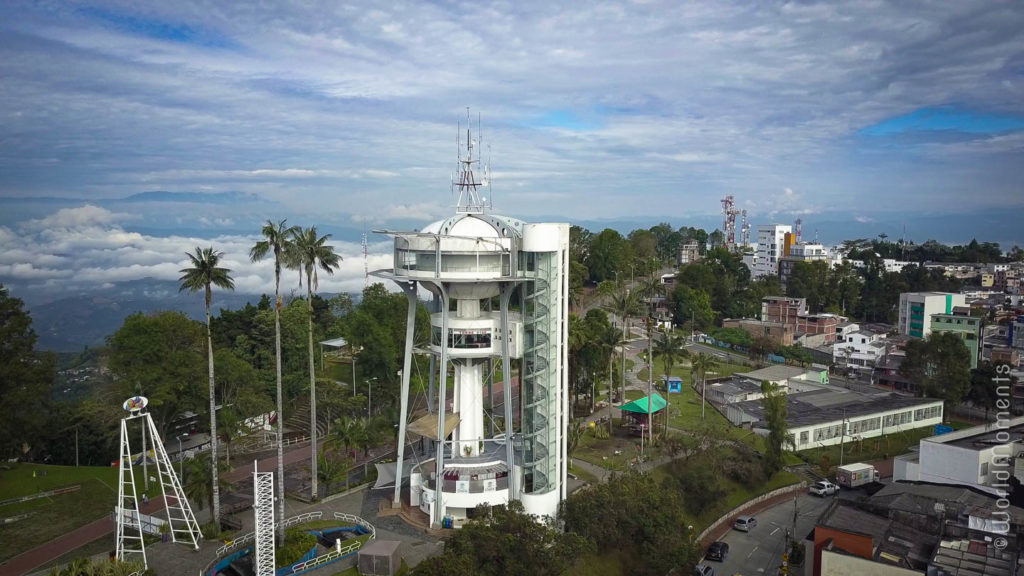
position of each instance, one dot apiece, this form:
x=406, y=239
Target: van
x=745, y=523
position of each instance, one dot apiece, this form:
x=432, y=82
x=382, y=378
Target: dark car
x=717, y=551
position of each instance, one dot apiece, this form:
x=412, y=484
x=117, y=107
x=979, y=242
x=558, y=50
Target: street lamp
x=181, y=459
x=369, y=394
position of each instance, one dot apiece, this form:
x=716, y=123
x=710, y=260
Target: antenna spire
x=470, y=201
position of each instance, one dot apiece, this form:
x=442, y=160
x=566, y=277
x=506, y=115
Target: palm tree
x=198, y=486
x=703, y=364
x=348, y=433
x=277, y=238
x=310, y=253
x=624, y=303
x=204, y=275
x=669, y=348
x=609, y=340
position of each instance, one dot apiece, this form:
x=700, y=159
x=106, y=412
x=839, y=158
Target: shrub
x=296, y=543
x=700, y=487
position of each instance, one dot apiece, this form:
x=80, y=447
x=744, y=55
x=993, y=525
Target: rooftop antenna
x=745, y=229
x=469, y=194
x=799, y=229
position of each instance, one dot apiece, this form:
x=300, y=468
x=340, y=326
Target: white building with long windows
x=823, y=415
x=500, y=292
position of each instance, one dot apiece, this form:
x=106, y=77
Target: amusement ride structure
x=131, y=523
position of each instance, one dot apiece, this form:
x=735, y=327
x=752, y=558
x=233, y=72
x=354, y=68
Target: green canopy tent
x=635, y=413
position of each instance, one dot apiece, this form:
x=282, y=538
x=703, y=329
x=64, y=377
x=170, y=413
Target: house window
x=803, y=437
x=984, y=469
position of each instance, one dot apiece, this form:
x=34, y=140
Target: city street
x=760, y=550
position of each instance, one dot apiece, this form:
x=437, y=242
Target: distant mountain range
x=87, y=318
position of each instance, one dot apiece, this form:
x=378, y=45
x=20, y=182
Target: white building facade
x=916, y=309
x=980, y=457
x=831, y=433
x=771, y=241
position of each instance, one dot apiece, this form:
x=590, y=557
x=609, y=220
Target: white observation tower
x=500, y=292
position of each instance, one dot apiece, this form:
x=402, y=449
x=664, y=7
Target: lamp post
x=369, y=394
x=181, y=458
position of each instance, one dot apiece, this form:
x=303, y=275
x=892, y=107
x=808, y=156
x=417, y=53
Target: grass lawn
x=52, y=516
x=583, y=475
x=602, y=452
x=868, y=449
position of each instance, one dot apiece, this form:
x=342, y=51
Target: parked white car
x=823, y=488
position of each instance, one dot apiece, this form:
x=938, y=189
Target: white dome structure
x=500, y=289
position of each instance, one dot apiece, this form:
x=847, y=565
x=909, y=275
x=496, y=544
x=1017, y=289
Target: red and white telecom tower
x=729, y=225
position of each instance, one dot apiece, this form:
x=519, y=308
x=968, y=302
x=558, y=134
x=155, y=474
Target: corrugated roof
x=640, y=406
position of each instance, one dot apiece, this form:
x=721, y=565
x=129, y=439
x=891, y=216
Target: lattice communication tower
x=729, y=212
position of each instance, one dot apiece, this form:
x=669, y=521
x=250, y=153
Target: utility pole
x=650, y=378
x=842, y=438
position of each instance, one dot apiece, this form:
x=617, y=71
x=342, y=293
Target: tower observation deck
x=499, y=290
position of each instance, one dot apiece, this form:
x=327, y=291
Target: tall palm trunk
x=280, y=403
x=611, y=386
x=213, y=415
x=312, y=383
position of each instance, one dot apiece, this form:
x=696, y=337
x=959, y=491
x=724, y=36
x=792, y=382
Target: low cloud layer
x=81, y=249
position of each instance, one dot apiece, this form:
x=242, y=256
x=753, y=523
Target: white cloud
x=89, y=250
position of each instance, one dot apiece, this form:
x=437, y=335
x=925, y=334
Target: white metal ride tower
x=263, y=510
x=500, y=288
x=130, y=523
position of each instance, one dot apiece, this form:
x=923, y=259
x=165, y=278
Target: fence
x=737, y=510
x=336, y=554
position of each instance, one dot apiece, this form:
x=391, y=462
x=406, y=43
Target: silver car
x=745, y=523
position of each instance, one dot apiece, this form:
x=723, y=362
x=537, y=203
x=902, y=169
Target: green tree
x=702, y=364
x=505, y=540
x=608, y=254
x=198, y=482
x=669, y=348
x=25, y=381
x=636, y=516
x=204, y=274
x=160, y=356
x=310, y=254
x=610, y=340
x=688, y=304
x=625, y=303
x=277, y=240
x=776, y=412
x=940, y=365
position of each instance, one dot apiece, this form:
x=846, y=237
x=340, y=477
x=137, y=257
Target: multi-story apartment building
x=961, y=323
x=771, y=240
x=782, y=309
x=824, y=324
x=916, y=309
x=689, y=253
x=802, y=252
x=1016, y=333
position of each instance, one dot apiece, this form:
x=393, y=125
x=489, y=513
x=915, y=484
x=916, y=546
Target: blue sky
x=345, y=116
